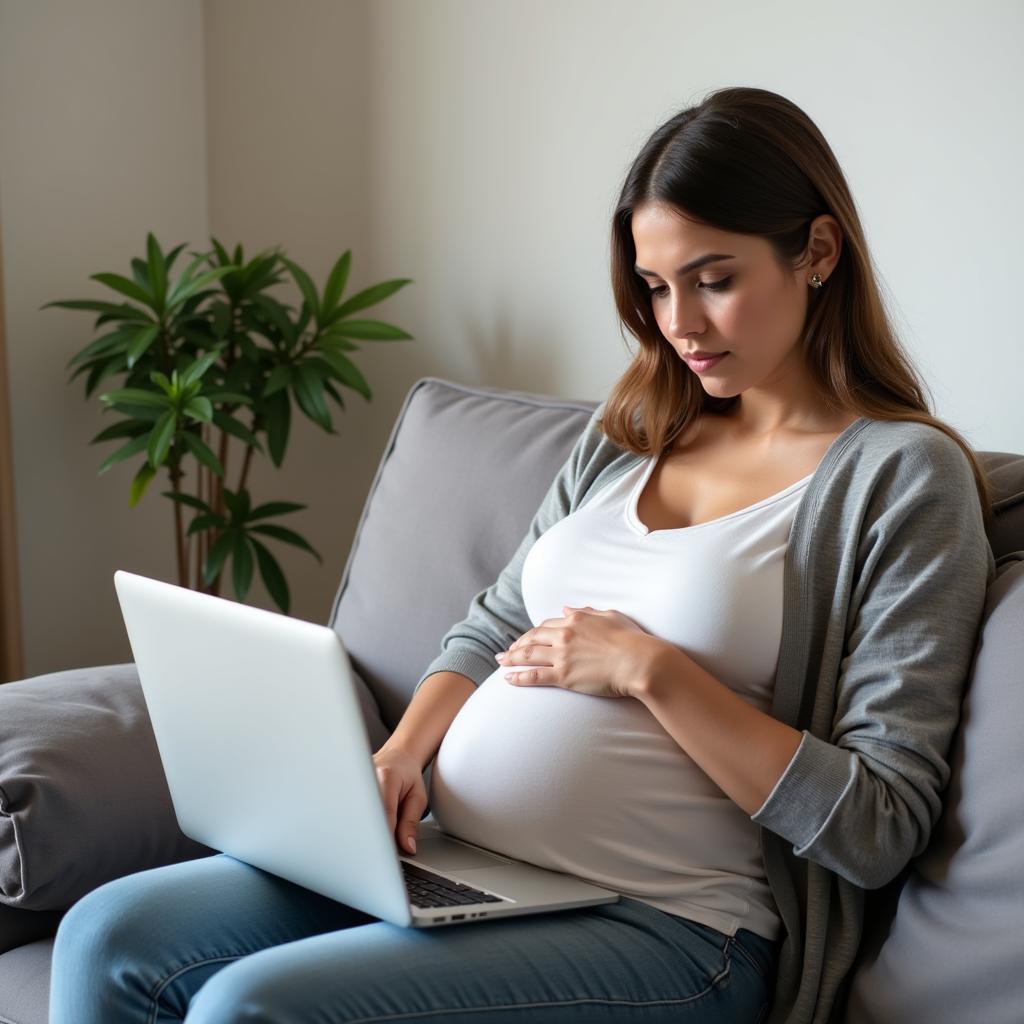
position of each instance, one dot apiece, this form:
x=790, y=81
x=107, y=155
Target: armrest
x=83, y=798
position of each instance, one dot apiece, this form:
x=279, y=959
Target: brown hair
x=750, y=161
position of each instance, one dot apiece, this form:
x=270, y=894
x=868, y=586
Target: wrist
x=663, y=661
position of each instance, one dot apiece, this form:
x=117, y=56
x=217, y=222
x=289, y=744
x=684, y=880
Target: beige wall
x=477, y=147
x=102, y=138
x=287, y=116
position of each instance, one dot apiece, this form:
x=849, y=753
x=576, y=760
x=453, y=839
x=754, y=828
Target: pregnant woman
x=762, y=524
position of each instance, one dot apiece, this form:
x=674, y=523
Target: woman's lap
x=226, y=942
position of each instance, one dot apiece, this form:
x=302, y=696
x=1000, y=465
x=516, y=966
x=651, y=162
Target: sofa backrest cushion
x=83, y=798
x=455, y=491
x=1005, y=473
x=949, y=947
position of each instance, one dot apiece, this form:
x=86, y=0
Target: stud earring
x=816, y=281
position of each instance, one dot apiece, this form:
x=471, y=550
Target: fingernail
x=500, y=657
x=412, y=843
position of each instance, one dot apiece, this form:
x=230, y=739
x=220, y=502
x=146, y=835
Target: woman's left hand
x=597, y=652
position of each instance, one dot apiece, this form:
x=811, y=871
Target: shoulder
x=905, y=452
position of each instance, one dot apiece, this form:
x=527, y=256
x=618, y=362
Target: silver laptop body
x=263, y=743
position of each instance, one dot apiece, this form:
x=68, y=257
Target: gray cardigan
x=884, y=587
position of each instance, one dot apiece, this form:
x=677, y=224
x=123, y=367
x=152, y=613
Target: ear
x=824, y=245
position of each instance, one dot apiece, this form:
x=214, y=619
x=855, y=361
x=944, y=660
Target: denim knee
x=240, y=993
x=102, y=926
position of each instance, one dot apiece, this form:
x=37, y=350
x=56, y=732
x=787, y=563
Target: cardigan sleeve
x=497, y=616
x=863, y=801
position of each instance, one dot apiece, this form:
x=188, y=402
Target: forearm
x=741, y=749
x=430, y=714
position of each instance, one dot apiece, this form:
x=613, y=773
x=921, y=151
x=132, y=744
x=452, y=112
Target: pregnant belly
x=589, y=785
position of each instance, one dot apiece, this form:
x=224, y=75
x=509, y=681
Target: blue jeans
x=217, y=941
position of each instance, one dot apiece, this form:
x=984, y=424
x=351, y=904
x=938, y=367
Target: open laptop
x=259, y=728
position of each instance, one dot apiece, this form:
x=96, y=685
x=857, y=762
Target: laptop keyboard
x=427, y=889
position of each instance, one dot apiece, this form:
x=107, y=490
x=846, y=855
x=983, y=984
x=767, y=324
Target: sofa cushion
x=455, y=491
x=25, y=983
x=83, y=798
x=949, y=947
x=1005, y=472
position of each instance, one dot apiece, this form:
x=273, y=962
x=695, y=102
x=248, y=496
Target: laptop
x=258, y=724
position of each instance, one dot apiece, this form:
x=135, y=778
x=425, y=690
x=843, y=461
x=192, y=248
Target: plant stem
x=179, y=546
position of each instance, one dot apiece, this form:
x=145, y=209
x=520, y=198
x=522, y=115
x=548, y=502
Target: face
x=735, y=321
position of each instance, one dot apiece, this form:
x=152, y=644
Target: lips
x=700, y=362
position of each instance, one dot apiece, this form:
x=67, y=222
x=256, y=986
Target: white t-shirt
x=594, y=786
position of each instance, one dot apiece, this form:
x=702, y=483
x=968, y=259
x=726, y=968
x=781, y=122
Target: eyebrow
x=700, y=261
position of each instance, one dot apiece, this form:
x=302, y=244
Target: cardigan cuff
x=808, y=792
x=463, y=660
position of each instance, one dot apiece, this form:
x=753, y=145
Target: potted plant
x=212, y=356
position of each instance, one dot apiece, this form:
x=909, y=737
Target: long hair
x=749, y=161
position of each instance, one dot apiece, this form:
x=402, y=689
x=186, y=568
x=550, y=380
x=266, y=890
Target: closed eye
x=714, y=286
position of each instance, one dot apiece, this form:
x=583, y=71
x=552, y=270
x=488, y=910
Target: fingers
x=413, y=806
x=389, y=785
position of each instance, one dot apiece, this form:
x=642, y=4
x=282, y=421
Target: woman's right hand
x=400, y=778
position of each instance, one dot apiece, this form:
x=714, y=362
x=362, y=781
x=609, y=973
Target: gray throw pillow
x=83, y=798
x=952, y=951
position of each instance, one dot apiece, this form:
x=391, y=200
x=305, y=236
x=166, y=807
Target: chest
x=700, y=486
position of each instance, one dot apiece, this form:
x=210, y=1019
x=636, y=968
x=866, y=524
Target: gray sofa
x=83, y=798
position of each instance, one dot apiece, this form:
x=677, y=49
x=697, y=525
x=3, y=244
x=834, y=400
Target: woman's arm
x=429, y=716
x=743, y=750
x=862, y=796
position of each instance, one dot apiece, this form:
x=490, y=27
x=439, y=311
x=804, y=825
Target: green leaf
x=309, y=393
x=216, y=555
x=274, y=508
x=157, y=271
x=347, y=372
x=139, y=412
x=183, y=290
x=279, y=378
x=140, y=483
x=335, y=341
x=133, y=447
x=282, y=533
x=244, y=500
x=140, y=271
x=202, y=452
x=333, y=392
x=231, y=503
x=124, y=311
x=336, y=282
x=368, y=297
x=205, y=522
x=370, y=330
x=187, y=499
x=126, y=287
x=197, y=370
x=231, y=426
x=228, y=396
x=161, y=437
x=136, y=396
x=241, y=566
x=141, y=342
x=278, y=417
x=126, y=428
x=306, y=286
x=200, y=409
x=273, y=578
x=173, y=255
x=115, y=341
x=160, y=379
x=222, y=253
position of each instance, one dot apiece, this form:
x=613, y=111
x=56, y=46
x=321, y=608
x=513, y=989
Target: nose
x=684, y=317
